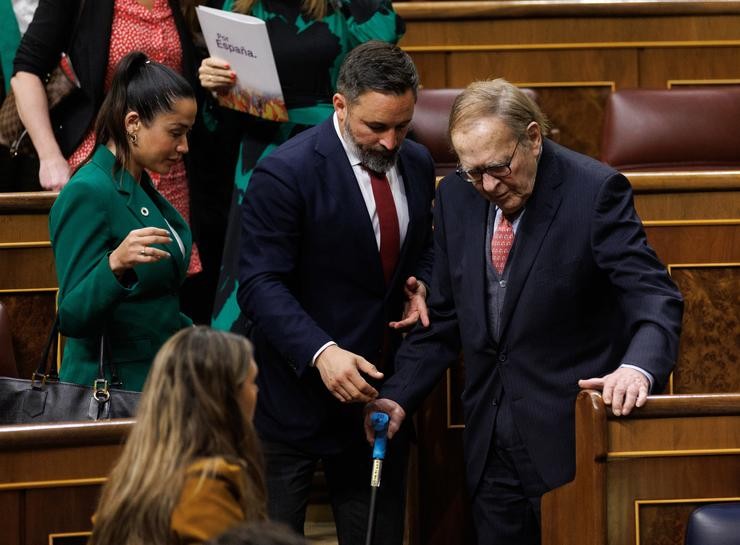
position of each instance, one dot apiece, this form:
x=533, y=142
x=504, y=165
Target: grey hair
x=497, y=98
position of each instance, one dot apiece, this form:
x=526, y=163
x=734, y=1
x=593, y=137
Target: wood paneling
x=576, y=112
x=565, y=44
x=50, y=477
x=632, y=471
x=664, y=523
x=27, y=273
x=31, y=268
x=471, y=9
x=658, y=66
x=432, y=68
x=26, y=259
x=442, y=499
x=31, y=315
x=23, y=228
x=695, y=205
x=42, y=519
x=710, y=340
x=685, y=242
x=10, y=507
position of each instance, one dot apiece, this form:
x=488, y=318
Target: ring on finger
x=143, y=252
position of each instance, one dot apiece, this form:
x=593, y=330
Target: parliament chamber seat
x=429, y=126
x=673, y=129
x=714, y=524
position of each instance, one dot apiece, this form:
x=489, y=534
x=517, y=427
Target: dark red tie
x=390, y=234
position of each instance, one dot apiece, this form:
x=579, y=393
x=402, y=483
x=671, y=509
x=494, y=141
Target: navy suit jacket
x=310, y=272
x=585, y=294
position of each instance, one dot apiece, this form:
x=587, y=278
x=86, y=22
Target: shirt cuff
x=320, y=350
x=641, y=370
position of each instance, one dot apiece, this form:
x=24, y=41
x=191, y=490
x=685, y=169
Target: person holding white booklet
x=310, y=39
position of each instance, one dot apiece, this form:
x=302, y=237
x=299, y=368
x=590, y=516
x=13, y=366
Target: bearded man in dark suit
x=335, y=254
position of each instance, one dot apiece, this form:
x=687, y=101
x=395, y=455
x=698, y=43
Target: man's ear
x=341, y=107
x=534, y=134
x=132, y=122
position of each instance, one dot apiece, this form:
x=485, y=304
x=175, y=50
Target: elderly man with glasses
x=544, y=278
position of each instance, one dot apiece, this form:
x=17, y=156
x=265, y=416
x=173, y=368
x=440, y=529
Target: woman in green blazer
x=121, y=249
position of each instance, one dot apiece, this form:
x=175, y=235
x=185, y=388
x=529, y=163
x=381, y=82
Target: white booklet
x=242, y=41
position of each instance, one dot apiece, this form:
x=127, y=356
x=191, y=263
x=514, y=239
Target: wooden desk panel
x=639, y=476
x=51, y=475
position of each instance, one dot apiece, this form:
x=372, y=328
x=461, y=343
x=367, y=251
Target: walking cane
x=380, y=425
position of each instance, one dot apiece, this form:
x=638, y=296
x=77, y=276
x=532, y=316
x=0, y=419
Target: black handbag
x=45, y=398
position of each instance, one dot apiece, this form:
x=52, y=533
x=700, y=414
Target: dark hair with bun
x=140, y=85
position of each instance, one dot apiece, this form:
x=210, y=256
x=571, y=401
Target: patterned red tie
x=501, y=243
x=390, y=234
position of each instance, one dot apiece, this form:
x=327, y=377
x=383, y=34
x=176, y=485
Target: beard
x=378, y=159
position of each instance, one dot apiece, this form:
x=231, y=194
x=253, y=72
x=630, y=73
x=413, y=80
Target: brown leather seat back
x=676, y=129
x=8, y=367
x=429, y=126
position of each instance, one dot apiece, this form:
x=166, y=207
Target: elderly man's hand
x=394, y=411
x=623, y=389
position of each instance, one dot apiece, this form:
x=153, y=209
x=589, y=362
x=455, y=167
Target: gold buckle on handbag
x=100, y=390
x=36, y=376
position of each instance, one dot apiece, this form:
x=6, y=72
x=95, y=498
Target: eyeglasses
x=497, y=170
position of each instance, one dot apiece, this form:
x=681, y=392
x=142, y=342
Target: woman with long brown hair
x=192, y=467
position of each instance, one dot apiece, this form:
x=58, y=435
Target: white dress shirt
x=363, y=182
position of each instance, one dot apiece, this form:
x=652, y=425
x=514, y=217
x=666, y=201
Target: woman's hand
x=136, y=248
x=54, y=172
x=216, y=75
x=33, y=109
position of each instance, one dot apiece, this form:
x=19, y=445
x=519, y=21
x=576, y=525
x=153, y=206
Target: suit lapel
x=416, y=214
x=165, y=211
x=539, y=212
x=149, y=209
x=335, y=172
x=474, y=254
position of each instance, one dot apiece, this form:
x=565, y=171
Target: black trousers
x=506, y=504
x=290, y=473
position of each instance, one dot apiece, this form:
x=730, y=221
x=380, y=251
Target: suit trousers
x=506, y=504
x=290, y=474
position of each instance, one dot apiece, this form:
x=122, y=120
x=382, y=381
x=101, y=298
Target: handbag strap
x=45, y=371
x=106, y=361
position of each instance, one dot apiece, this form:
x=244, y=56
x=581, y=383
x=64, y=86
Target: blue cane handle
x=380, y=425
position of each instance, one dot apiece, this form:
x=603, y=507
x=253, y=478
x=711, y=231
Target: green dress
x=308, y=54
x=94, y=212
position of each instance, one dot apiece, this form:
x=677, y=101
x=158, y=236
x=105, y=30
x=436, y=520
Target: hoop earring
x=133, y=138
